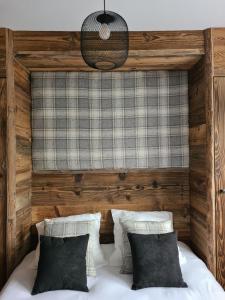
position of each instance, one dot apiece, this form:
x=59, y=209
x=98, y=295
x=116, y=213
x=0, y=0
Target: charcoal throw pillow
x=62, y=264
x=155, y=261
x=140, y=227
x=64, y=229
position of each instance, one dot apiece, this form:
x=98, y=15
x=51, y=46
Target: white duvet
x=111, y=285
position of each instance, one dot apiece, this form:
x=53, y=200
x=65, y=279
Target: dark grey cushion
x=62, y=264
x=155, y=261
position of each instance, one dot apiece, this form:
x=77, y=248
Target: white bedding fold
x=111, y=285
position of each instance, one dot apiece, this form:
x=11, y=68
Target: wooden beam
x=2, y=53
x=218, y=51
x=10, y=157
x=201, y=143
x=58, y=51
x=192, y=41
x=3, y=192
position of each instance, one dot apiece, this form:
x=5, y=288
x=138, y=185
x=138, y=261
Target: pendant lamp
x=104, y=40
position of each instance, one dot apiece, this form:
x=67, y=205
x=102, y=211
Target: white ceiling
x=139, y=14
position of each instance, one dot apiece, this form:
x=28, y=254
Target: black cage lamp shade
x=104, y=40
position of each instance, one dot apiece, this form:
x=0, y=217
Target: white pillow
x=116, y=258
x=76, y=228
x=139, y=227
x=107, y=249
x=98, y=254
x=183, y=249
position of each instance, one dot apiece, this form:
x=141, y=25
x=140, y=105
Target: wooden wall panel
x=7, y=153
x=202, y=197
x=3, y=33
x=10, y=156
x=191, y=42
x=219, y=92
x=218, y=42
x=57, y=51
x=56, y=194
x=15, y=157
x=23, y=159
x=23, y=232
x=3, y=204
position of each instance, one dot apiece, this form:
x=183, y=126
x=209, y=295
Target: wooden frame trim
x=210, y=180
x=10, y=157
x=112, y=171
x=60, y=51
x=148, y=50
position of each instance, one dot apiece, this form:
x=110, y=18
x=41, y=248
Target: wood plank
x=197, y=108
x=23, y=237
x=202, y=197
x=69, y=62
x=23, y=167
x=3, y=192
x=11, y=157
x=15, y=156
x=2, y=53
x=152, y=177
x=65, y=194
x=57, y=51
x=218, y=42
x=210, y=176
x=197, y=135
x=192, y=41
x=198, y=182
x=219, y=86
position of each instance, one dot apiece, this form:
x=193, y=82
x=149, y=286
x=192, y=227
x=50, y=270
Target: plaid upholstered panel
x=109, y=120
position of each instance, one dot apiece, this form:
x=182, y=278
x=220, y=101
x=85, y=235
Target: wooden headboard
x=62, y=194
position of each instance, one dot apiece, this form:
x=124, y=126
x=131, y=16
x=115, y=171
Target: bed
x=110, y=284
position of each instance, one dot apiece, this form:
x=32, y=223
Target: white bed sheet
x=111, y=285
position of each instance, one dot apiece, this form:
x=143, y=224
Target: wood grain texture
x=218, y=51
x=15, y=157
x=56, y=194
x=23, y=160
x=74, y=62
x=3, y=192
x=192, y=41
x=219, y=92
x=3, y=53
x=59, y=194
x=10, y=157
x=202, y=197
x=57, y=51
x=23, y=236
x=210, y=159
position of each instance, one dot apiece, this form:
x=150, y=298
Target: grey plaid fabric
x=109, y=120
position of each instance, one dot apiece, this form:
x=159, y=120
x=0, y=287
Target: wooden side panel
x=197, y=144
x=3, y=117
x=15, y=158
x=57, y=51
x=23, y=159
x=3, y=53
x=10, y=157
x=56, y=194
x=219, y=86
x=218, y=42
x=202, y=197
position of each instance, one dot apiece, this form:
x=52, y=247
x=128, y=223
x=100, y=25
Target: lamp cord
x=104, y=6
